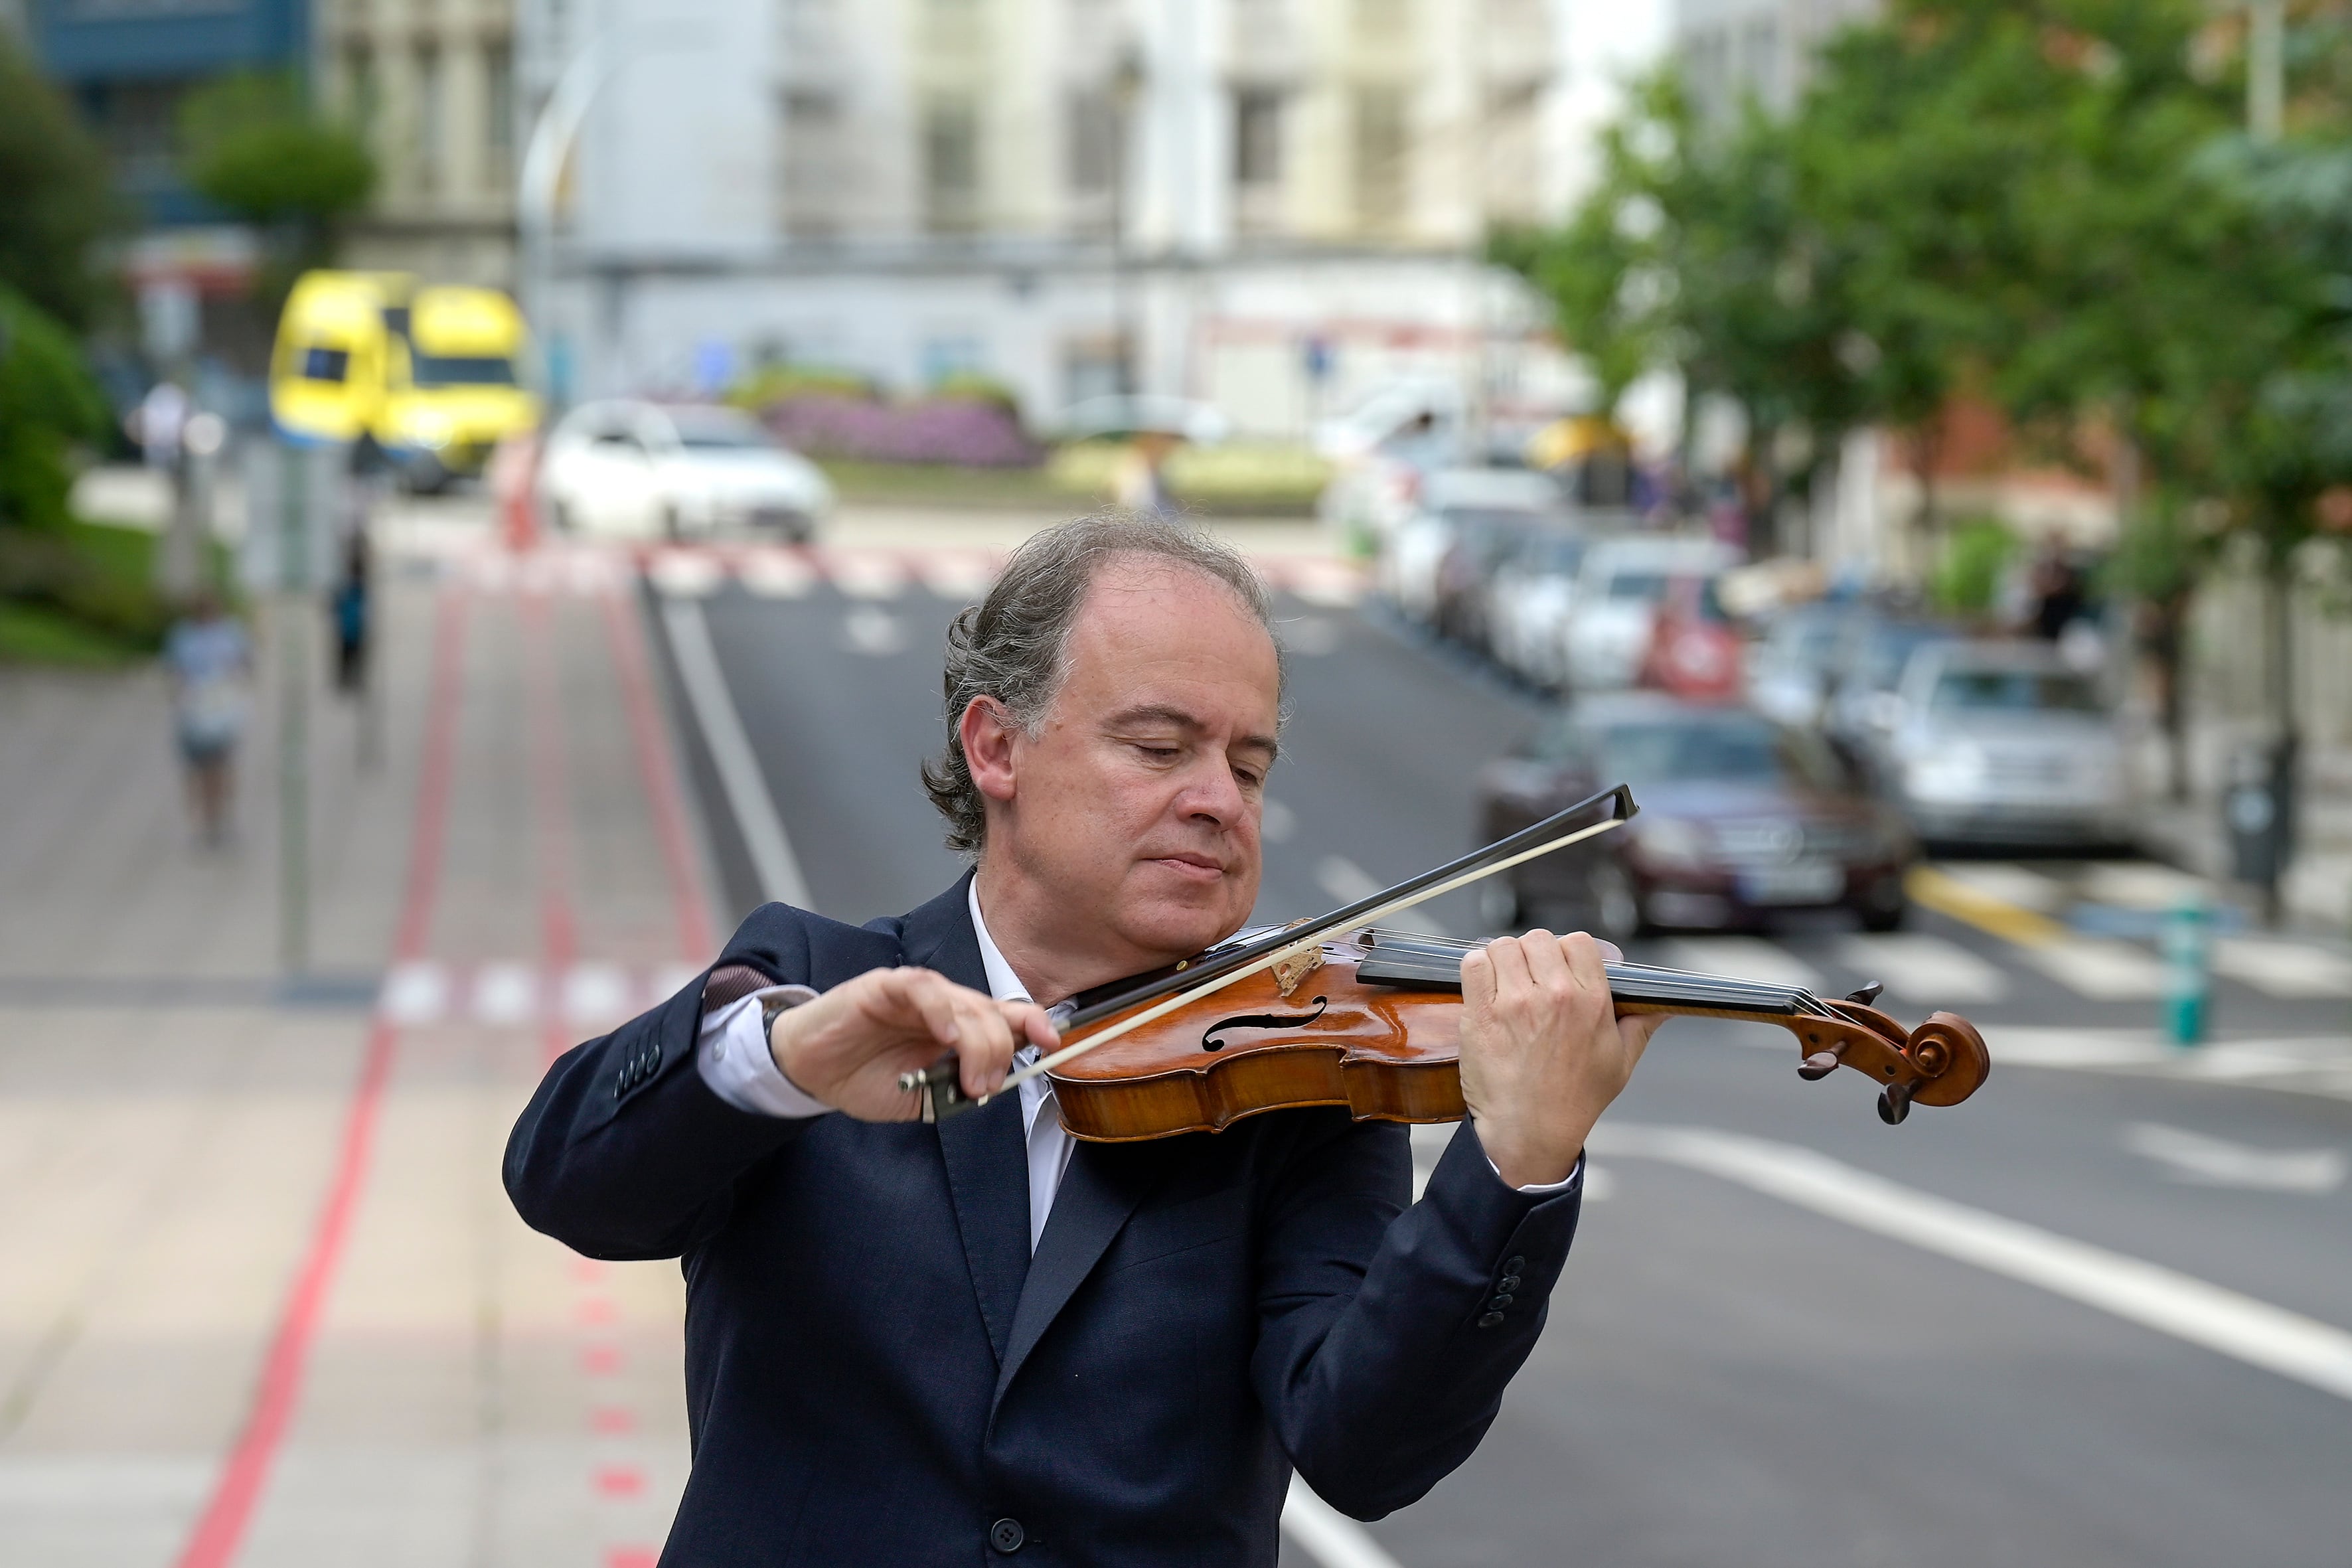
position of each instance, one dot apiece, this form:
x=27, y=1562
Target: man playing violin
x=968, y=1342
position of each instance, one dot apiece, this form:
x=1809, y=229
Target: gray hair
x=1013, y=645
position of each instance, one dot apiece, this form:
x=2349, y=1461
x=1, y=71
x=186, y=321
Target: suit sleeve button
x=1507, y=1282
x=1490, y=1320
x=1513, y=1265
x=1006, y=1535
x=1499, y=1302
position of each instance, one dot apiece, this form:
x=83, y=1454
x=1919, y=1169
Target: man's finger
x=1548, y=962
x=1034, y=1024
x=985, y=1052
x=933, y=999
x=1479, y=977
x=1584, y=960
x=1510, y=956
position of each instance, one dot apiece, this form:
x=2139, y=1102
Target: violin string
x=1778, y=998
x=1211, y=987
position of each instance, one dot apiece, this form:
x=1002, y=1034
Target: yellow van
x=429, y=372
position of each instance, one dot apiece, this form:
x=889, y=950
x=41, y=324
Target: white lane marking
x=959, y=577
x=2217, y=1163
x=594, y=994
x=866, y=574
x=686, y=573
x=776, y=575
x=1922, y=968
x=2188, y=1308
x=1742, y=958
x=2292, y=969
x=1350, y=884
x=1328, y=1536
x=414, y=992
x=2104, y=968
x=2010, y=883
x=873, y=631
x=772, y=861
x=505, y=994
x=1277, y=822
x=2143, y=885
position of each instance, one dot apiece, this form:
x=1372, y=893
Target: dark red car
x=1742, y=820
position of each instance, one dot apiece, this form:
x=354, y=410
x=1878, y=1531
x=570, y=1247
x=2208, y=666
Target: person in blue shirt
x=209, y=659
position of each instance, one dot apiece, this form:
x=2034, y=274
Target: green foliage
x=56, y=193
x=86, y=588
x=47, y=401
x=1968, y=579
x=975, y=387
x=256, y=148
x=775, y=383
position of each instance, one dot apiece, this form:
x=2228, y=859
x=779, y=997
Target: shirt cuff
x=1548, y=1189
x=732, y=1056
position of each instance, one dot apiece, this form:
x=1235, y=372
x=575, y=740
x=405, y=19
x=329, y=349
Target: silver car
x=2005, y=742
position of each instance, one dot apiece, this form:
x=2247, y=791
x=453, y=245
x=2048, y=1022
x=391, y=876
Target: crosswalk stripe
x=415, y=993
x=686, y=573
x=594, y=993
x=504, y=993
x=2013, y=884
x=956, y=575
x=1742, y=958
x=776, y=575
x=867, y=574
x=2283, y=969
x=1917, y=967
x=2104, y=969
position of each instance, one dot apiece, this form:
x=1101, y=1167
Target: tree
x=55, y=194
x=256, y=147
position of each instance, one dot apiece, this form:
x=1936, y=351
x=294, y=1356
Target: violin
x=1340, y=1010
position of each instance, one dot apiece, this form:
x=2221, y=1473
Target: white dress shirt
x=732, y=1054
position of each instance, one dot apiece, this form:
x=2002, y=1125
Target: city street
x=1739, y=1368
x=267, y=1304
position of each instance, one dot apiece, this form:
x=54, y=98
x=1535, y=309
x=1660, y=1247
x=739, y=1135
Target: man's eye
x=1160, y=751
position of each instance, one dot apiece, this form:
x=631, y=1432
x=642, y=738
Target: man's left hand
x=1543, y=1051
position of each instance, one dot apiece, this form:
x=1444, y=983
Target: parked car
x=629, y=470
x=1608, y=633
x=1529, y=597
x=2007, y=743
x=1743, y=819
x=1495, y=503
x=1874, y=648
x=1792, y=669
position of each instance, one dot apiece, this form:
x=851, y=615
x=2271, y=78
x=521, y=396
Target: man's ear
x=988, y=732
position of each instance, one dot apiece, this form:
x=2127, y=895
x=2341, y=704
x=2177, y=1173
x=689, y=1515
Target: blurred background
x=483, y=484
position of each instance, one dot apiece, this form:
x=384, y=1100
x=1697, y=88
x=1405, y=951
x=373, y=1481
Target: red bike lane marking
x=656, y=770
x=220, y=1530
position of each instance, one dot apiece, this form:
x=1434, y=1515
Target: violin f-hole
x=1209, y=1041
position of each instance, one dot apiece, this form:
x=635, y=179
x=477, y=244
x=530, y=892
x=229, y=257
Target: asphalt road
x=1732, y=1375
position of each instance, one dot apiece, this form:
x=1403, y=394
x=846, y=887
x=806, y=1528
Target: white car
x=626, y=469
x=1412, y=556
x=2007, y=743
x=1606, y=633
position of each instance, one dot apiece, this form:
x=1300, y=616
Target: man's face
x=1134, y=812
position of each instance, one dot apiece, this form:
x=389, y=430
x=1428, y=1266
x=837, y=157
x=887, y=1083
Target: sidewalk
x=266, y=1302
x=2316, y=890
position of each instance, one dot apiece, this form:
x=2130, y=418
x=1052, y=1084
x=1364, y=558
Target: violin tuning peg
x=1895, y=1103
x=1818, y=1066
x=1867, y=994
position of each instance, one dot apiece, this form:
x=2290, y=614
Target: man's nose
x=1213, y=794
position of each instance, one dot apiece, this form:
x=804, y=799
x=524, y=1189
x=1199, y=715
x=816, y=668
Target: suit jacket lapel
x=986, y=1154
x=1097, y=1193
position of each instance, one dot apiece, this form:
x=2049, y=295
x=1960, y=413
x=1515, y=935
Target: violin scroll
x=1941, y=1062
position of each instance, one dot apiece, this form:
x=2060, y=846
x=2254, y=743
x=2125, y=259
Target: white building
x=1271, y=205
x=1733, y=50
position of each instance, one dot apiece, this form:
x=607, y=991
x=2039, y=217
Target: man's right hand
x=849, y=1047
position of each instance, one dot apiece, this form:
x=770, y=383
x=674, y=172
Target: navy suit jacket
x=878, y=1372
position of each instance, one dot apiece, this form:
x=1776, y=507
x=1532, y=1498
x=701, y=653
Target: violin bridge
x=1294, y=967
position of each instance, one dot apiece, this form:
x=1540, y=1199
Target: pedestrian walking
x=349, y=609
x=210, y=658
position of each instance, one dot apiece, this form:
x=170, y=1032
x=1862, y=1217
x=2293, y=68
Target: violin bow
x=943, y=1093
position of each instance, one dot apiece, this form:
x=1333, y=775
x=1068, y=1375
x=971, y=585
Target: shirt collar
x=1002, y=983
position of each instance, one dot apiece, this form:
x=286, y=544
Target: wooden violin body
x=1389, y=1048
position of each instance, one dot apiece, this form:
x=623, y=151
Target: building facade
x=1270, y=205
x=429, y=85
x=1736, y=50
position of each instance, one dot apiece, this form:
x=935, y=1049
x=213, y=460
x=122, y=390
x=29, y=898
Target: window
x=460, y=370
x=1257, y=137
x=324, y=364
x=430, y=124
x=815, y=179
x=951, y=166
x=1380, y=157
x=498, y=67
